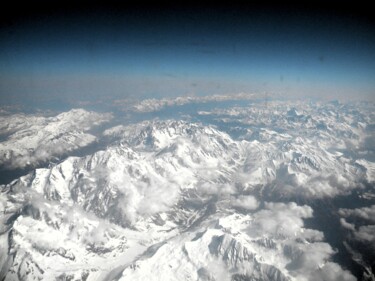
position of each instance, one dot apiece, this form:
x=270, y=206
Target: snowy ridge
x=33, y=139
x=152, y=105
x=162, y=199
x=225, y=250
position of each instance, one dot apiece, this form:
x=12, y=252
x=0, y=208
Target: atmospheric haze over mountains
x=187, y=142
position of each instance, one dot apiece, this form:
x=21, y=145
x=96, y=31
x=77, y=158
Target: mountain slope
x=172, y=187
x=34, y=139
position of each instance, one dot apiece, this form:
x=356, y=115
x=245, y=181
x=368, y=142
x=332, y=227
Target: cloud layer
x=361, y=224
x=271, y=243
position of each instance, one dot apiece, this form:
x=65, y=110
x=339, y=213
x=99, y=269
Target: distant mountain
x=29, y=139
x=173, y=200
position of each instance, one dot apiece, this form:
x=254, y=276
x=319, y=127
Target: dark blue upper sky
x=143, y=51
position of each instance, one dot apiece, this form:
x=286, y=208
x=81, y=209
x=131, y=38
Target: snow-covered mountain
x=175, y=200
x=31, y=139
x=152, y=105
x=243, y=247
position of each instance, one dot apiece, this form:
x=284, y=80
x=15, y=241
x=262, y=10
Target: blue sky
x=171, y=53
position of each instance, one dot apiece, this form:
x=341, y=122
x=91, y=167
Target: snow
x=5, y=259
x=177, y=200
x=37, y=139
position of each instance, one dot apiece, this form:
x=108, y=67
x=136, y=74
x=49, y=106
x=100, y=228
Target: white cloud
x=331, y=272
x=366, y=234
x=308, y=261
x=247, y=202
x=347, y=225
x=362, y=228
x=248, y=246
x=157, y=163
x=366, y=213
x=280, y=219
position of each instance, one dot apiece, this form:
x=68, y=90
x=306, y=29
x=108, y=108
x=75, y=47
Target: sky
x=78, y=53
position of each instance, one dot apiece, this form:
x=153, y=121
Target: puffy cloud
x=362, y=229
x=331, y=272
x=308, y=260
x=315, y=186
x=347, y=225
x=232, y=248
x=247, y=202
x=280, y=219
x=150, y=197
x=313, y=264
x=365, y=213
x=366, y=234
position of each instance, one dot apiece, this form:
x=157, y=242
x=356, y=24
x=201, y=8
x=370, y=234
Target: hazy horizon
x=145, y=51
